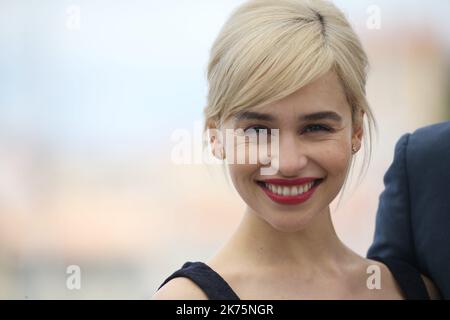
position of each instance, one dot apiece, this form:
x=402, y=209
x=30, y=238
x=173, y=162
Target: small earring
x=354, y=149
x=221, y=154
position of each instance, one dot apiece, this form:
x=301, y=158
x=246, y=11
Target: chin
x=294, y=224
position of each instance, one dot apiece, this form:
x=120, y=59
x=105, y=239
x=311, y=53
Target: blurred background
x=91, y=94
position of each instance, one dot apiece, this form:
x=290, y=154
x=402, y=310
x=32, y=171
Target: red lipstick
x=290, y=182
x=289, y=199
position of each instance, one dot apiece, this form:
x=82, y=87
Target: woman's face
x=314, y=142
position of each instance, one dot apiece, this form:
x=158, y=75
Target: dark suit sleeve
x=393, y=236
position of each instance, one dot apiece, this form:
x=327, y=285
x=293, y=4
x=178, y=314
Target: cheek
x=336, y=159
x=241, y=166
x=242, y=174
x=242, y=150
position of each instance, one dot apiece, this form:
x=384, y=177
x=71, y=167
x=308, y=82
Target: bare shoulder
x=180, y=288
x=389, y=286
x=433, y=291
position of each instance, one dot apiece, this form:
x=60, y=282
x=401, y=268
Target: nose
x=292, y=156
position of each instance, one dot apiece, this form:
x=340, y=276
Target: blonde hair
x=268, y=49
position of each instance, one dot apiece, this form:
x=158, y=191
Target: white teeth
x=289, y=190
x=294, y=191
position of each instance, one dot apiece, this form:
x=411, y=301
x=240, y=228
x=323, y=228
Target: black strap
x=214, y=286
x=408, y=278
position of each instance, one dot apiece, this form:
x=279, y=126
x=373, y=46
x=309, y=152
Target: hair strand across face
x=268, y=49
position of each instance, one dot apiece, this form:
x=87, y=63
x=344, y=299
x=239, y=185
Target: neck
x=315, y=247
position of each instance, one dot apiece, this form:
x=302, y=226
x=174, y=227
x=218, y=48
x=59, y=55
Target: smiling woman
x=314, y=152
x=295, y=66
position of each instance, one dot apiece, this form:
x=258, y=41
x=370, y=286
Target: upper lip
x=290, y=182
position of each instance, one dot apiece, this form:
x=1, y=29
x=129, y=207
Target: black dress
x=216, y=288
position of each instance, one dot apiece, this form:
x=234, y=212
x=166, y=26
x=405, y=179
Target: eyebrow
x=323, y=115
x=251, y=115
x=316, y=116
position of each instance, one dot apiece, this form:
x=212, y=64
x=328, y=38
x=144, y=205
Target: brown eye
x=258, y=130
x=317, y=128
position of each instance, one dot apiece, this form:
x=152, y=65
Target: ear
x=215, y=139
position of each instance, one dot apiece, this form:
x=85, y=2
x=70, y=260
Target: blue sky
x=133, y=71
